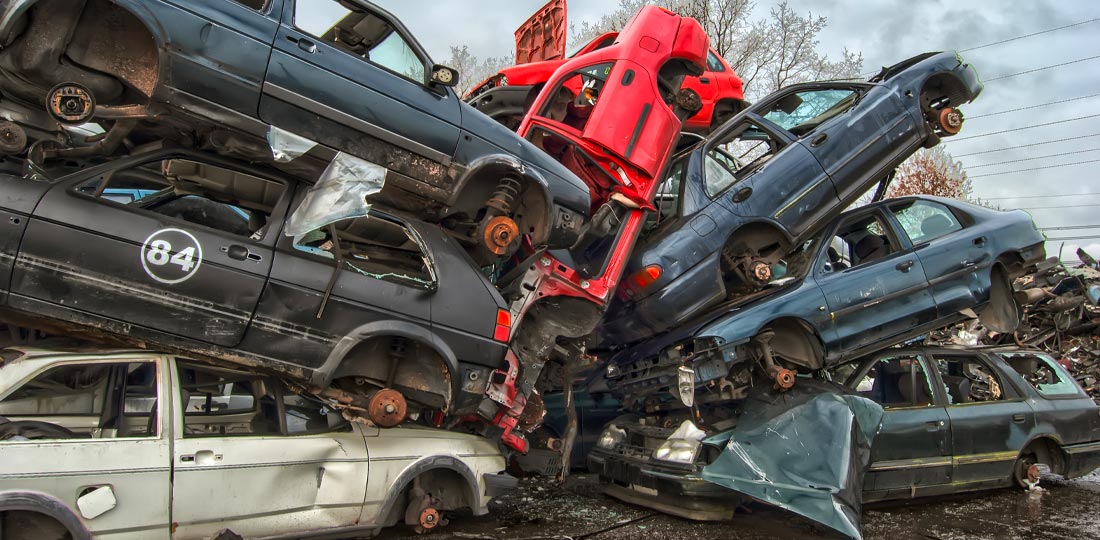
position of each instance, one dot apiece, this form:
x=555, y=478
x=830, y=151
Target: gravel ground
x=542, y=510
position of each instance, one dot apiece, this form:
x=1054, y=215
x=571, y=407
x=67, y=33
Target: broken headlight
x=682, y=446
x=612, y=435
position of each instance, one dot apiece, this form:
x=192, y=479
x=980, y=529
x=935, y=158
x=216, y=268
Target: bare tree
x=931, y=172
x=473, y=70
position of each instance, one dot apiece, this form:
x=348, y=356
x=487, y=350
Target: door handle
x=819, y=140
x=904, y=266
x=241, y=253
x=979, y=241
x=304, y=44
x=1018, y=418
x=934, y=425
x=704, y=80
x=741, y=195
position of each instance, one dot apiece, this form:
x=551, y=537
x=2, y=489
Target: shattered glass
x=286, y=146
x=804, y=450
x=340, y=193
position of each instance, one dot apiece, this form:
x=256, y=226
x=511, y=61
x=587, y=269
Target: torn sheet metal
x=286, y=146
x=340, y=193
x=804, y=450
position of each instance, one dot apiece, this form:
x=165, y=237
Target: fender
x=45, y=504
x=506, y=162
x=323, y=375
x=422, y=466
x=771, y=223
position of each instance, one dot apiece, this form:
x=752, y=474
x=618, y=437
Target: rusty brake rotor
x=387, y=408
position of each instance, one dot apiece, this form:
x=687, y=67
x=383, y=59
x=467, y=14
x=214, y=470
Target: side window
x=713, y=63
x=222, y=402
x=925, y=220
x=305, y=415
x=373, y=247
x=801, y=112
x=738, y=154
x=969, y=379
x=89, y=401
x=667, y=199
x=577, y=95
x=858, y=241
x=199, y=193
x=360, y=33
x=1043, y=374
x=894, y=382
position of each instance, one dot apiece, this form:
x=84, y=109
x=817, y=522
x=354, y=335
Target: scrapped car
x=954, y=420
x=756, y=189
x=141, y=444
x=876, y=276
x=220, y=74
x=200, y=264
x=507, y=95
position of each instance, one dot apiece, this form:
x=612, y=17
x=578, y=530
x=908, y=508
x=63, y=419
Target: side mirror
x=444, y=76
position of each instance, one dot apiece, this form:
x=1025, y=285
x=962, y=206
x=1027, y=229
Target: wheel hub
x=12, y=138
x=784, y=379
x=70, y=103
x=760, y=271
x=429, y=518
x=951, y=120
x=387, y=408
x=499, y=233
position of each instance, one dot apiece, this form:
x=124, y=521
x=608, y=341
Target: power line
x=1069, y=228
x=1038, y=196
x=1041, y=143
x=1031, y=107
x=1033, y=126
x=1037, y=168
x=1063, y=238
x=1010, y=75
x=1055, y=207
x=1030, y=35
x=1033, y=158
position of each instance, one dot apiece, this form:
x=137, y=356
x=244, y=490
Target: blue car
x=874, y=277
x=741, y=200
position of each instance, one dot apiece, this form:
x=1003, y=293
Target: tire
x=1002, y=314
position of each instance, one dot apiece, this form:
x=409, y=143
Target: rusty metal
x=13, y=139
x=951, y=120
x=761, y=271
x=429, y=519
x=70, y=103
x=498, y=233
x=784, y=379
x=387, y=408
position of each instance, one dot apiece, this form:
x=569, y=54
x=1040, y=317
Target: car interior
x=372, y=246
x=969, y=380
x=894, y=382
x=857, y=242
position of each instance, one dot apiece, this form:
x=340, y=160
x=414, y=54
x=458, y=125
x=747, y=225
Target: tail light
x=642, y=279
x=504, y=326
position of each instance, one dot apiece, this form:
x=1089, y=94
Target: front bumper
x=667, y=489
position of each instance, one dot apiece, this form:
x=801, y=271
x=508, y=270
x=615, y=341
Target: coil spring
x=505, y=194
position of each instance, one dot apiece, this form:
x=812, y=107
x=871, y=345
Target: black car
x=752, y=192
x=955, y=420
x=200, y=263
x=343, y=73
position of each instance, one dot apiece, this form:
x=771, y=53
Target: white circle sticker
x=171, y=255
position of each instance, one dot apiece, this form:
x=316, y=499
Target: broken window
x=969, y=380
x=361, y=33
x=194, y=192
x=925, y=220
x=858, y=241
x=373, y=247
x=895, y=382
x=741, y=152
x=1043, y=374
x=801, y=112
x=574, y=99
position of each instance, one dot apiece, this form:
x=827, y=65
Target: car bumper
x=502, y=102
x=669, y=490
x=1082, y=459
x=499, y=484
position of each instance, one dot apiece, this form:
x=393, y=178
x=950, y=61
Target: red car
x=612, y=117
x=507, y=95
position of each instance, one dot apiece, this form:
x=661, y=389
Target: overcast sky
x=891, y=30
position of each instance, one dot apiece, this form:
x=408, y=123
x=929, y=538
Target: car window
x=738, y=154
x=90, y=400
x=713, y=63
x=801, y=112
x=858, y=241
x=194, y=192
x=360, y=33
x=894, y=382
x=925, y=220
x=221, y=402
x=374, y=247
x=305, y=414
x=1043, y=373
x=969, y=379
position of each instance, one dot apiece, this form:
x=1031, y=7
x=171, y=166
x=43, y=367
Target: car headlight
x=612, y=435
x=682, y=446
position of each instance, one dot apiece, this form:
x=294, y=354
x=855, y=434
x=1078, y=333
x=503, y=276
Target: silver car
x=137, y=444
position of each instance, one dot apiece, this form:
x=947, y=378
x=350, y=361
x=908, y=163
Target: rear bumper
x=1082, y=459
x=680, y=493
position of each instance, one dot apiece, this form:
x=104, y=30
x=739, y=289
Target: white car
x=138, y=444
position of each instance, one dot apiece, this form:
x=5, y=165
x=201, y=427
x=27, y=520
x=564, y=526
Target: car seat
x=958, y=386
x=918, y=396
x=869, y=248
x=835, y=260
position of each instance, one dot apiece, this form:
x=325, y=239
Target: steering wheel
x=34, y=430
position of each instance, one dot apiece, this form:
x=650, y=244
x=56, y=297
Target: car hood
x=542, y=36
x=804, y=450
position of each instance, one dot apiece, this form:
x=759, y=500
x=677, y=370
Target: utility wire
x=1033, y=126
x=1010, y=75
x=1030, y=35
x=1041, y=143
x=1069, y=228
x=1032, y=158
x=1036, y=168
x=1038, y=196
x=1032, y=107
x=1055, y=207
x=1062, y=238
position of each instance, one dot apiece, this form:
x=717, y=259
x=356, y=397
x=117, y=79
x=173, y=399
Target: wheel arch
x=48, y=505
x=949, y=86
x=795, y=324
x=387, y=511
x=479, y=181
x=1048, y=446
x=761, y=226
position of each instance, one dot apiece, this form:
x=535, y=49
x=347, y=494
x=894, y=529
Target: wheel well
x=764, y=238
x=797, y=342
x=31, y=525
x=941, y=86
x=530, y=209
x=1049, y=452
x=1011, y=262
x=447, y=485
x=419, y=371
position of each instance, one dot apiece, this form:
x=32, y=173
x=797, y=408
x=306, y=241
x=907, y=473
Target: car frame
x=118, y=475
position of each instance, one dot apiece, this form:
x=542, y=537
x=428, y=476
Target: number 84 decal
x=171, y=255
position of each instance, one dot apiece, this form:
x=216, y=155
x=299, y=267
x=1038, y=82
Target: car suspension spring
x=507, y=191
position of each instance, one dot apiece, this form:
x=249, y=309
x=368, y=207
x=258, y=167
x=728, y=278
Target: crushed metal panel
x=542, y=36
x=340, y=193
x=804, y=450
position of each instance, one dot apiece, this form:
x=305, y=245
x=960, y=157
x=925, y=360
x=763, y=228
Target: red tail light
x=645, y=277
x=504, y=326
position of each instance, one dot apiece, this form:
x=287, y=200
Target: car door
x=856, y=131
x=336, y=74
x=876, y=289
x=951, y=255
x=757, y=169
x=913, y=448
x=119, y=451
x=270, y=462
x=990, y=420
x=183, y=262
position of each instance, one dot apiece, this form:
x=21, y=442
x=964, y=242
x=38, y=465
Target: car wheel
x=1022, y=473
x=1002, y=315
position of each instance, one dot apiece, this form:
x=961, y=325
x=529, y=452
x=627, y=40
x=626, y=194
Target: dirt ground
x=541, y=510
